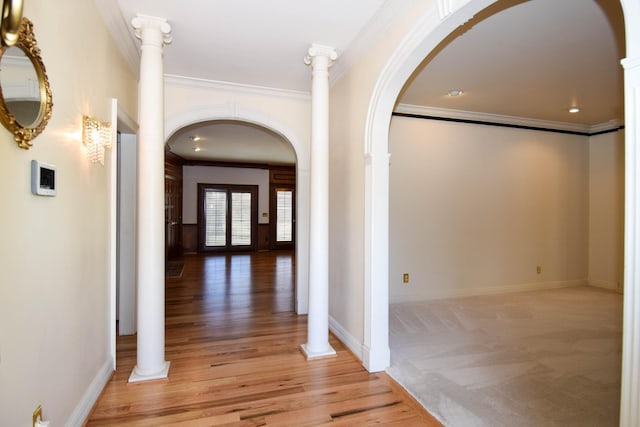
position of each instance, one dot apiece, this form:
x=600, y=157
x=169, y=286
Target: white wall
x=475, y=209
x=606, y=210
x=194, y=175
x=54, y=292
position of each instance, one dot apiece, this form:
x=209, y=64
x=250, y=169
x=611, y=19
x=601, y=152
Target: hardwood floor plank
x=234, y=345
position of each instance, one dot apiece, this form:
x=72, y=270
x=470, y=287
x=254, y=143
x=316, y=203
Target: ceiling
x=531, y=59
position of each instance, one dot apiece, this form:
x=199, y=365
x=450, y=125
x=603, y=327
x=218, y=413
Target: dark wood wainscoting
x=173, y=205
x=263, y=237
x=190, y=238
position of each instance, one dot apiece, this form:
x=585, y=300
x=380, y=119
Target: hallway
x=233, y=341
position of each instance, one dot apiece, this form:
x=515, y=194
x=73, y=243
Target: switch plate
x=405, y=278
x=539, y=269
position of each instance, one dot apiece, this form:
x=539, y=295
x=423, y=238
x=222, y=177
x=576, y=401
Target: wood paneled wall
x=173, y=205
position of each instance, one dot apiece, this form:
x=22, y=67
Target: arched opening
x=248, y=150
x=240, y=165
x=424, y=38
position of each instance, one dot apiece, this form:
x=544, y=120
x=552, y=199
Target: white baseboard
x=490, y=290
x=604, y=284
x=346, y=338
x=80, y=414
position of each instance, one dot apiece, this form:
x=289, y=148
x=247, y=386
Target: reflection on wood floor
x=233, y=339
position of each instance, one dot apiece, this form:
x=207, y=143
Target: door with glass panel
x=227, y=217
x=283, y=204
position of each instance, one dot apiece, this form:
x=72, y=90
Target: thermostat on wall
x=43, y=179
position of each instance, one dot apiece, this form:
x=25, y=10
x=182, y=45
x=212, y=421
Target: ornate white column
x=150, y=268
x=320, y=58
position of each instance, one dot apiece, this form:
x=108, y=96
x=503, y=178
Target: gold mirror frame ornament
x=24, y=135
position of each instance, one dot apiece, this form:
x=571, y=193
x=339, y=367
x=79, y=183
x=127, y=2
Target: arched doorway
x=233, y=114
x=418, y=43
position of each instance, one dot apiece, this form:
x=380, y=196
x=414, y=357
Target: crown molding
x=372, y=31
x=613, y=124
x=446, y=113
x=120, y=32
x=173, y=79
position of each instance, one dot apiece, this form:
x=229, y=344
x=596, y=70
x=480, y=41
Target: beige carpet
x=544, y=358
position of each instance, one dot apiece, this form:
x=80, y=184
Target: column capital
x=318, y=50
x=144, y=22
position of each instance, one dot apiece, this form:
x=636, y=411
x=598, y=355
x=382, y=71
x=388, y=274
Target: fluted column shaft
x=150, y=258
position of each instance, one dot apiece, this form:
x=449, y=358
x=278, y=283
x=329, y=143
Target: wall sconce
x=96, y=136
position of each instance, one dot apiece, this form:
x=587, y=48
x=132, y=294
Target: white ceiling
x=231, y=141
x=255, y=42
x=529, y=59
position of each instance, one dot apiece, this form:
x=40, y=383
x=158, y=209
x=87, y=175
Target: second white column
x=320, y=58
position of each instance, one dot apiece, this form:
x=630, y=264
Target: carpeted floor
x=544, y=358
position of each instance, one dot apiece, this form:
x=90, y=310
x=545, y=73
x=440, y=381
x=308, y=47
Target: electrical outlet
x=539, y=269
x=405, y=278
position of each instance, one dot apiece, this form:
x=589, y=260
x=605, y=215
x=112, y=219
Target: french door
x=227, y=217
x=283, y=205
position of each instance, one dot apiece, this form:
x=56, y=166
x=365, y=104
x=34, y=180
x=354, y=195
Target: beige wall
x=350, y=100
x=54, y=291
x=606, y=210
x=478, y=208
x=474, y=209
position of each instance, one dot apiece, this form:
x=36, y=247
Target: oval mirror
x=25, y=96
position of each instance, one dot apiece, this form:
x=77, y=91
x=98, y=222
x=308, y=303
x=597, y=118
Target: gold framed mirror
x=25, y=95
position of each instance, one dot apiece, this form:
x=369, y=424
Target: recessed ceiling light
x=196, y=149
x=574, y=110
x=455, y=92
x=195, y=138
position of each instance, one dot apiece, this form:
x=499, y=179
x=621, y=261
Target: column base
x=328, y=352
x=162, y=374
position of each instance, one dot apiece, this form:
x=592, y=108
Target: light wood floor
x=233, y=342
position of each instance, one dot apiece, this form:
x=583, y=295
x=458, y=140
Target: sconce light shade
x=96, y=136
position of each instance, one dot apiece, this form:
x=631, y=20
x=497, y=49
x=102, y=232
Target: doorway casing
x=237, y=113
x=424, y=36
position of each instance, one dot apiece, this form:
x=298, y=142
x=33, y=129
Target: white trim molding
x=346, y=338
x=489, y=290
x=604, y=284
x=236, y=111
x=235, y=87
x=91, y=395
x=374, y=29
x=121, y=33
x=630, y=391
x=446, y=113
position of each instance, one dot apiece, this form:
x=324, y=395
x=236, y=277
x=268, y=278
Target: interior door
x=227, y=217
x=283, y=205
x=173, y=215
